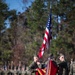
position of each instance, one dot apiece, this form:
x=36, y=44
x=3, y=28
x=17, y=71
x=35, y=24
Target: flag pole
x=50, y=42
x=50, y=13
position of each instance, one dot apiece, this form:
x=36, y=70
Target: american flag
x=47, y=38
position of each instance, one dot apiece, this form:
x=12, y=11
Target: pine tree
x=65, y=37
x=4, y=45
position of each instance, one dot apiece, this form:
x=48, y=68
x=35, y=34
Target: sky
x=18, y=5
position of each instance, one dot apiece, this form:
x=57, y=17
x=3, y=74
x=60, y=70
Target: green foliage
x=23, y=41
x=5, y=45
x=37, y=15
x=64, y=41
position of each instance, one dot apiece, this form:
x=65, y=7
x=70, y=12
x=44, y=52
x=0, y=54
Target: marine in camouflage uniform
x=63, y=66
x=36, y=64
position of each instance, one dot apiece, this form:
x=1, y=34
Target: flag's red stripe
x=46, y=32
